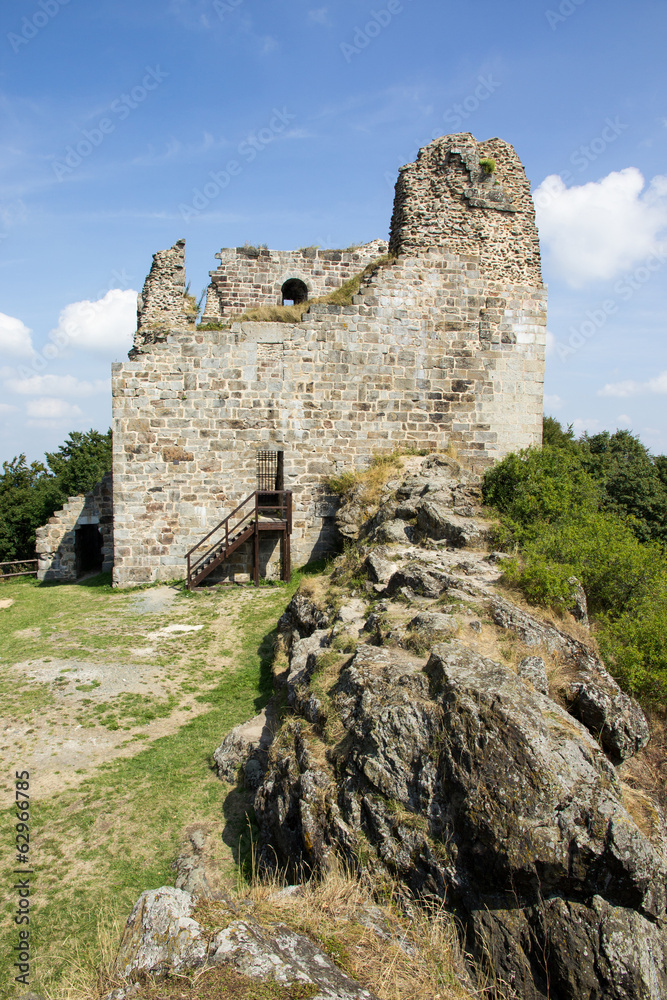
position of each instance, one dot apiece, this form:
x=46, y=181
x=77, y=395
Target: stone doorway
x=88, y=549
x=294, y=291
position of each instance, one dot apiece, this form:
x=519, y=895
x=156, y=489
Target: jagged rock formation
x=163, y=935
x=425, y=753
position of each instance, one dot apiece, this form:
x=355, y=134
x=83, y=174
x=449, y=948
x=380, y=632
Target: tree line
x=31, y=492
x=595, y=509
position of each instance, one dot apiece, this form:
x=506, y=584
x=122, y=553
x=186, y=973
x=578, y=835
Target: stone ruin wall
x=432, y=353
x=252, y=276
x=55, y=546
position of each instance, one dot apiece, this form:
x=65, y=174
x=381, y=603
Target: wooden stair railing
x=271, y=510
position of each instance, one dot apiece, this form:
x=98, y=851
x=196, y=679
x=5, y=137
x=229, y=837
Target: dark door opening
x=88, y=549
x=270, y=477
x=294, y=291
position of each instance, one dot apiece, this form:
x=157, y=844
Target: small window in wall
x=294, y=291
x=88, y=549
x=270, y=471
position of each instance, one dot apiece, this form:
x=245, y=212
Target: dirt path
x=75, y=729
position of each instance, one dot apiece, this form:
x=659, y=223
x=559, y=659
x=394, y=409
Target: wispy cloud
x=57, y=385
x=175, y=150
x=47, y=412
x=319, y=15
x=628, y=387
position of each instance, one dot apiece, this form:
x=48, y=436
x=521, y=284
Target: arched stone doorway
x=294, y=291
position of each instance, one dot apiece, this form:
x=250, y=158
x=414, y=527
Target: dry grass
x=397, y=949
x=646, y=772
x=341, y=296
x=416, y=955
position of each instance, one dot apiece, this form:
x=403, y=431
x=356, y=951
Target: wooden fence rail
x=18, y=562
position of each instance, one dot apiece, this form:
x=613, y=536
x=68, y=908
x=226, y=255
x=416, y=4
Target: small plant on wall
x=488, y=165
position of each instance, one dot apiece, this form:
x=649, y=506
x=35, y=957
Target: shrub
x=488, y=165
x=562, y=520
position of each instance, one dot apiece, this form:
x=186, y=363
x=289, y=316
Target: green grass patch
x=95, y=848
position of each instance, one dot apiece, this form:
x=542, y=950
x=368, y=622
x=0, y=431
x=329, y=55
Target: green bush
x=592, y=509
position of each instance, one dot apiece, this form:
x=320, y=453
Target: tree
x=28, y=497
x=81, y=461
x=29, y=494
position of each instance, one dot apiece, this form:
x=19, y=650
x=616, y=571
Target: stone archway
x=294, y=291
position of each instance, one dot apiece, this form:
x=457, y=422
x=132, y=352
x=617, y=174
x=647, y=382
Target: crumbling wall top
x=469, y=198
x=163, y=305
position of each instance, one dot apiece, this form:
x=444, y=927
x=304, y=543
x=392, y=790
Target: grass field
x=103, y=836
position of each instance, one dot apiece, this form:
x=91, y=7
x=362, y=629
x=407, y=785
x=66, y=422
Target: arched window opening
x=294, y=291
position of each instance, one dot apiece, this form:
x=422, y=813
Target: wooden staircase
x=263, y=510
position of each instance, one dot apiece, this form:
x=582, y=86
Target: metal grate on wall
x=270, y=471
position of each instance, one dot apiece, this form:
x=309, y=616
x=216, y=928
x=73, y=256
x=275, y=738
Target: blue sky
x=116, y=113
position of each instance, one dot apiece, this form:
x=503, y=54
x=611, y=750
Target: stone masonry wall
x=56, y=541
x=446, y=200
x=249, y=276
x=441, y=347
x=162, y=305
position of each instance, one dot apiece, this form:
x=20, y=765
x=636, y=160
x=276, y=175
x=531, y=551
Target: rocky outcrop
x=456, y=773
x=592, y=694
x=163, y=935
x=472, y=788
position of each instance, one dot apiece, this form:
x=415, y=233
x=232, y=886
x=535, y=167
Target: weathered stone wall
x=162, y=305
x=447, y=201
x=440, y=348
x=250, y=276
x=56, y=541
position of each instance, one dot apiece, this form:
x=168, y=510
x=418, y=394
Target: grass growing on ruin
x=341, y=296
x=97, y=847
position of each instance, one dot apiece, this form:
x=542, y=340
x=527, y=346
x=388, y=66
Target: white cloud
x=588, y=424
x=48, y=412
x=319, y=15
x=629, y=387
x=6, y=408
x=550, y=345
x=15, y=339
x=623, y=420
x=552, y=402
x=57, y=385
x=106, y=325
x=48, y=408
x=598, y=230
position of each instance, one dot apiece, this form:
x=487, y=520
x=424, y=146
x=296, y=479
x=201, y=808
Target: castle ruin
x=443, y=345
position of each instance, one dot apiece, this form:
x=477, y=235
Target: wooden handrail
x=236, y=509
x=282, y=503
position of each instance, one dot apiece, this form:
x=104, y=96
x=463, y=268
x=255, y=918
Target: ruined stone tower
x=442, y=345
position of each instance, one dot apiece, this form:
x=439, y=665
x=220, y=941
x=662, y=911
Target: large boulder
x=469, y=786
x=162, y=935
x=436, y=521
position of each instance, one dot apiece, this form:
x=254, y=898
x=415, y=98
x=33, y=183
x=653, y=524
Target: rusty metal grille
x=270, y=471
